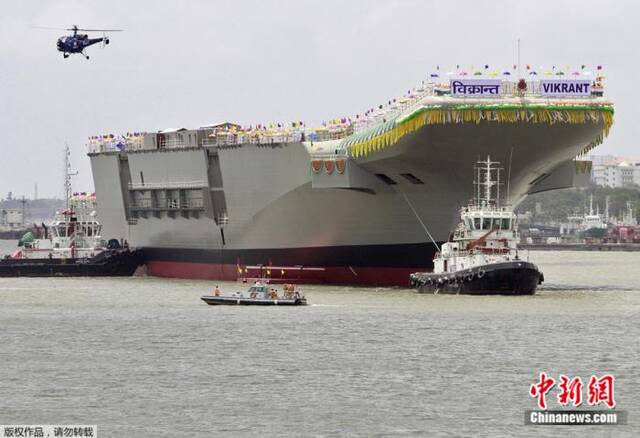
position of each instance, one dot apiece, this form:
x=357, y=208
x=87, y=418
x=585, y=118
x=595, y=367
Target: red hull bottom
x=343, y=275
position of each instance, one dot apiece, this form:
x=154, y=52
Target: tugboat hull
x=110, y=263
x=507, y=278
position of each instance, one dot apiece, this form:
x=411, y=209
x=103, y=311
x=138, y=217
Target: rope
x=424, y=227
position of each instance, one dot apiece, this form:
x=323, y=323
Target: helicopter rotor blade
x=49, y=28
x=76, y=28
x=98, y=30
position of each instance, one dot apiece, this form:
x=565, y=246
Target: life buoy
x=252, y=295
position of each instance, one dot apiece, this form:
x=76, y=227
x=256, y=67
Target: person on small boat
x=288, y=290
x=216, y=291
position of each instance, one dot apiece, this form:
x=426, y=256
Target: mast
x=485, y=182
x=67, y=175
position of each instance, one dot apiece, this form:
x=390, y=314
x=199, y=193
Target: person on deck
x=216, y=291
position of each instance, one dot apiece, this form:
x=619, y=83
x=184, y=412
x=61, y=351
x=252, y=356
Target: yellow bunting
x=440, y=116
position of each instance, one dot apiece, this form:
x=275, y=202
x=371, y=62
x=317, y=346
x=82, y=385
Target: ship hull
x=108, y=264
x=508, y=278
x=275, y=216
x=377, y=265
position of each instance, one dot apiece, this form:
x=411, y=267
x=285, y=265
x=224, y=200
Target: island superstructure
x=357, y=201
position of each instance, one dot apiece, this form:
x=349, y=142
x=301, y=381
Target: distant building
x=615, y=172
x=11, y=218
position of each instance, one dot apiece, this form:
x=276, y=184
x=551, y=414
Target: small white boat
x=260, y=294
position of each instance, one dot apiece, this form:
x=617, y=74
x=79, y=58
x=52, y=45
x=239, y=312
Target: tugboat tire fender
x=468, y=277
x=481, y=273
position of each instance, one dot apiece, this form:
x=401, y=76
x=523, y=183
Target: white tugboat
x=72, y=245
x=482, y=256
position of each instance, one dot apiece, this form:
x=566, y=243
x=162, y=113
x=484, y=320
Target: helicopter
x=77, y=42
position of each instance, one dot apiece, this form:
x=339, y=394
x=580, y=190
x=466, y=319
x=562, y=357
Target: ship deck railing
x=149, y=205
x=167, y=185
x=175, y=143
x=340, y=154
x=395, y=109
x=240, y=138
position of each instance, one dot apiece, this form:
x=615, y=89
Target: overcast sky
x=189, y=63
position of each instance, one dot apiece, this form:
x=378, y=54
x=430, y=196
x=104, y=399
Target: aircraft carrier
x=357, y=201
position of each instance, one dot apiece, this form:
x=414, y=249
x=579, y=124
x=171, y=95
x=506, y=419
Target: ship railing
x=340, y=154
x=168, y=185
x=407, y=105
x=174, y=143
x=173, y=204
x=241, y=138
x=193, y=203
x=147, y=204
x=115, y=145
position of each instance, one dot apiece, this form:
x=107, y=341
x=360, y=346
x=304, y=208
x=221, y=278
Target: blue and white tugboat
x=259, y=294
x=482, y=257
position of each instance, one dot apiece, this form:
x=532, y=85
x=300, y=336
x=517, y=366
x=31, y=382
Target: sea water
x=145, y=356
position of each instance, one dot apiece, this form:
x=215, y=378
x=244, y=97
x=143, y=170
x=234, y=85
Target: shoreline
x=627, y=247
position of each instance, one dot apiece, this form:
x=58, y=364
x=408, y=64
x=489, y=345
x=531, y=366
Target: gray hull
x=274, y=216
